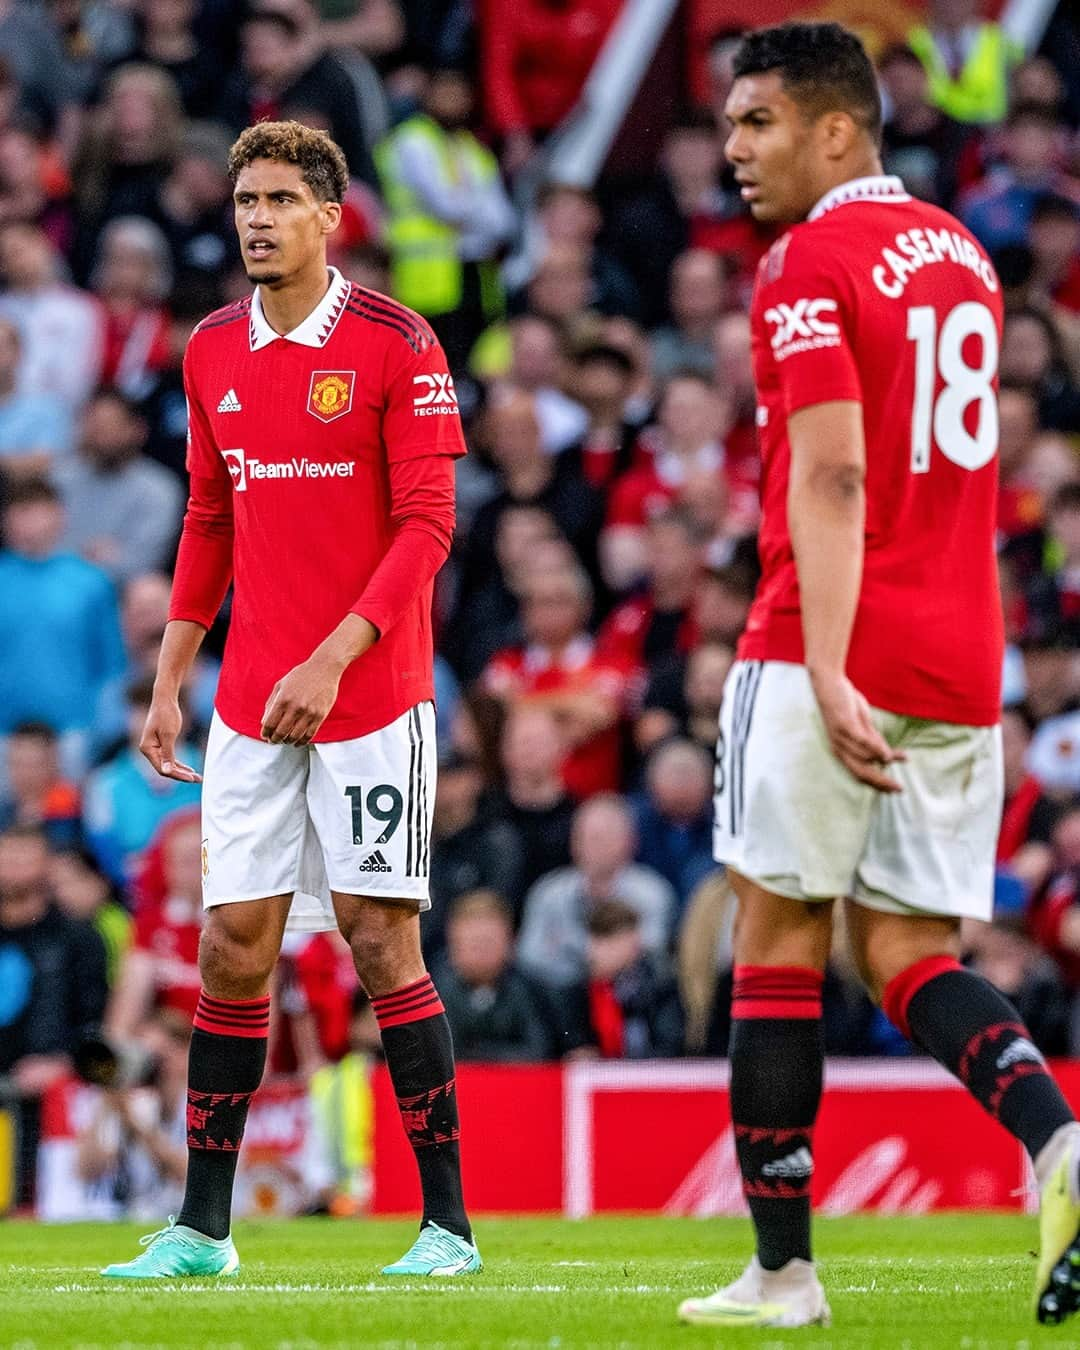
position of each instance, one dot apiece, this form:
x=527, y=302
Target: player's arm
x=203, y=572
x=826, y=520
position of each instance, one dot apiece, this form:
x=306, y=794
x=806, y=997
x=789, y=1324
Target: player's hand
x=300, y=702
x=158, y=742
x=855, y=740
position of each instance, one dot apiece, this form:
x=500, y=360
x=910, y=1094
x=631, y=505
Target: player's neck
x=865, y=166
x=286, y=307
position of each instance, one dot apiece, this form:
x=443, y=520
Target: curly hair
x=823, y=66
x=320, y=160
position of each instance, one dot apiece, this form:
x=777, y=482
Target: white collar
x=315, y=329
x=878, y=187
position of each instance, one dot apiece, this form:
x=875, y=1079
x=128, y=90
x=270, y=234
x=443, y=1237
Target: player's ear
x=331, y=216
x=838, y=131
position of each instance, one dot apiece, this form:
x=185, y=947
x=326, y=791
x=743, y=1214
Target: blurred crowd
x=605, y=552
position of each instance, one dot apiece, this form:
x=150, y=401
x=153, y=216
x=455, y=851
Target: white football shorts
x=790, y=817
x=350, y=816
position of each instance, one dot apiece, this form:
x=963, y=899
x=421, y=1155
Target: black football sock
x=420, y=1057
x=225, y=1066
x=976, y=1033
x=777, y=1055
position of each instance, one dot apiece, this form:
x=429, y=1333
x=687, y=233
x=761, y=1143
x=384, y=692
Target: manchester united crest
x=331, y=394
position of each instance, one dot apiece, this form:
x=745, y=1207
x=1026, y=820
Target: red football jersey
x=293, y=444
x=890, y=302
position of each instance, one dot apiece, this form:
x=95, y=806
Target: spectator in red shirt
x=658, y=620
x=536, y=56
x=559, y=668
x=602, y=382
x=162, y=968
x=1055, y=915
x=688, y=437
x=132, y=276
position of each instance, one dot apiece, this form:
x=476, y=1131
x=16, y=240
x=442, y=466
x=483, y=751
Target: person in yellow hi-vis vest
x=448, y=216
x=967, y=61
x=343, y=1115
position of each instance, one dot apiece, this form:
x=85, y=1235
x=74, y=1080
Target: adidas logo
x=375, y=863
x=797, y=1164
x=230, y=403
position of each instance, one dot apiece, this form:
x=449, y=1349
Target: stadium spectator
x=37, y=793
x=472, y=848
x=533, y=799
x=528, y=477
x=653, y=224
x=1054, y=235
x=658, y=620
x=567, y=225
x=282, y=68
x=122, y=510
x=697, y=298
x=131, y=1151
x=144, y=611
x=536, y=55
x=166, y=37
x=1032, y=354
x=194, y=209
x=34, y=184
x=628, y=1007
x=127, y=149
x=967, y=61
x=161, y=970
x=449, y=216
x=1020, y=506
x=497, y=1013
x=59, y=626
x=1054, y=917
x=30, y=46
x=1016, y=966
x=561, y=668
x=553, y=943
x=61, y=327
x=125, y=800
x=538, y=365
x=602, y=381
x=998, y=210
x=36, y=431
x=85, y=893
x=673, y=816
x=920, y=144
x=682, y=697
x=132, y=276
x=687, y=438
x=52, y=990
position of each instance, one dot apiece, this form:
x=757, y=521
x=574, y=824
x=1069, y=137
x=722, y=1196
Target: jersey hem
x=350, y=729
x=762, y=648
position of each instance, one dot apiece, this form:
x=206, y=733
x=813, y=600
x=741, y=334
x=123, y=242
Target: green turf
x=901, y=1284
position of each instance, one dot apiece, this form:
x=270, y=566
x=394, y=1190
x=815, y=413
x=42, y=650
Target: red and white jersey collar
x=315, y=329
x=575, y=656
x=877, y=188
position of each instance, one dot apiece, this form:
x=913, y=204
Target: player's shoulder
x=239, y=312
x=381, y=319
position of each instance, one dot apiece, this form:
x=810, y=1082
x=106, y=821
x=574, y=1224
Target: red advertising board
x=893, y=1137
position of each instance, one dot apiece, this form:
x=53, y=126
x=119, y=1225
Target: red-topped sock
x=777, y=1053
x=420, y=1057
x=225, y=1066
x=976, y=1033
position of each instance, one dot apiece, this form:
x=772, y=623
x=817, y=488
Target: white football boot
x=789, y=1297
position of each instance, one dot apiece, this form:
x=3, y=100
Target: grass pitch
x=957, y=1281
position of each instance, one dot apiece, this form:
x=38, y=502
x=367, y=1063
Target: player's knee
x=373, y=960
x=231, y=967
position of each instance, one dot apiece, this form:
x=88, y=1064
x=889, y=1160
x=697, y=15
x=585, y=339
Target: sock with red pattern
x=225, y=1066
x=420, y=1057
x=976, y=1033
x=777, y=1055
